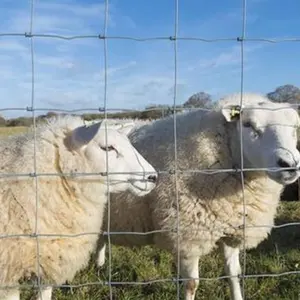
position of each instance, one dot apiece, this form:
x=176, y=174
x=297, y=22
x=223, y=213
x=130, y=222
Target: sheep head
x=269, y=136
x=109, y=152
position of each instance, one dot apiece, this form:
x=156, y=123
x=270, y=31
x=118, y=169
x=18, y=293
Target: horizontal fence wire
x=104, y=111
x=141, y=233
x=149, y=282
x=4, y=176
x=124, y=110
x=154, y=38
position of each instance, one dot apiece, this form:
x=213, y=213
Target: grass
x=279, y=253
x=5, y=131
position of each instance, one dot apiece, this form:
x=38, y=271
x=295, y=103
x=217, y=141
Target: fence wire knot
x=172, y=172
x=28, y=34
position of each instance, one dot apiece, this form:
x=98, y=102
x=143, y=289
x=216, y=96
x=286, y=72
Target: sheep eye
x=256, y=132
x=247, y=124
x=108, y=148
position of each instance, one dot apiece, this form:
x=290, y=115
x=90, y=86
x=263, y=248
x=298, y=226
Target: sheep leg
x=233, y=268
x=101, y=255
x=189, y=268
x=12, y=295
x=45, y=293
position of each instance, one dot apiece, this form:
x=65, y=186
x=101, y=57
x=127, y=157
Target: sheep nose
x=285, y=164
x=152, y=178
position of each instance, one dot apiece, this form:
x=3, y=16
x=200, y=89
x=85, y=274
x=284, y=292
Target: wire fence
x=104, y=36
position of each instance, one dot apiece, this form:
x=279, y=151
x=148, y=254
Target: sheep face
x=269, y=133
x=114, y=154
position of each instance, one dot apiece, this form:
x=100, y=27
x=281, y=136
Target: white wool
x=120, y=123
x=66, y=205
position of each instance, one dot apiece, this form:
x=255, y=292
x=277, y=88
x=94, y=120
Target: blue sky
x=69, y=74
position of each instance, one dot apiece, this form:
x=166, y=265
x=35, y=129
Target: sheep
x=68, y=204
x=125, y=122
x=211, y=210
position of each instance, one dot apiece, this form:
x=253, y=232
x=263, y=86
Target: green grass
x=279, y=253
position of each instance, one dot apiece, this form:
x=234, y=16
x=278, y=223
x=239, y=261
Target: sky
x=69, y=74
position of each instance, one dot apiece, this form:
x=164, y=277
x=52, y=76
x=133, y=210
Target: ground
x=279, y=253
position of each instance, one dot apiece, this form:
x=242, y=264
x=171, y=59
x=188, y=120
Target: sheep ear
x=83, y=135
x=231, y=113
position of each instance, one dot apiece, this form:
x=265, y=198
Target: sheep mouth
x=284, y=177
x=142, y=187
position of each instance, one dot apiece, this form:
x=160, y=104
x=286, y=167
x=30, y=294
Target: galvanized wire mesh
x=105, y=37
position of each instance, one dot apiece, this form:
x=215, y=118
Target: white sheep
x=117, y=123
x=211, y=209
x=69, y=204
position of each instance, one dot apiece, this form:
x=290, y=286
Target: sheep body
x=60, y=212
x=66, y=205
x=210, y=216
x=123, y=122
x=210, y=206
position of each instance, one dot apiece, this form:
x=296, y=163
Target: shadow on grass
x=287, y=237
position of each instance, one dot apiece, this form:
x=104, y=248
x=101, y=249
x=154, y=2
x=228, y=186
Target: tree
x=285, y=93
x=157, y=111
x=2, y=121
x=154, y=111
x=51, y=114
x=20, y=121
x=200, y=99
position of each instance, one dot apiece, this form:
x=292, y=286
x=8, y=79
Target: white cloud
x=115, y=70
x=128, y=22
x=69, y=74
x=53, y=17
x=225, y=58
x=12, y=45
x=229, y=58
x=81, y=10
x=45, y=23
x=7, y=74
x=55, y=61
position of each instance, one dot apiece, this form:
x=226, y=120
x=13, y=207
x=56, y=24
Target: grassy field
x=279, y=253
x=4, y=131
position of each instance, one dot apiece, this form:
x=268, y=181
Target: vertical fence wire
x=32, y=108
x=106, y=17
x=242, y=39
x=176, y=20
